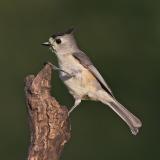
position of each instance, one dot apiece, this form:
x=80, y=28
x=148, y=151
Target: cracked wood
x=49, y=123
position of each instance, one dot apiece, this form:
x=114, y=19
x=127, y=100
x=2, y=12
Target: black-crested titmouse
x=83, y=80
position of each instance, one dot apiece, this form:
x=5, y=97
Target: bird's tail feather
x=132, y=121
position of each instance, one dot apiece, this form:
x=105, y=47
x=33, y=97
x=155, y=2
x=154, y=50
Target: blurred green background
x=123, y=40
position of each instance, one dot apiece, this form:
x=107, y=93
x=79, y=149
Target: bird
x=82, y=78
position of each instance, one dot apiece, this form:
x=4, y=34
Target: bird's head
x=62, y=42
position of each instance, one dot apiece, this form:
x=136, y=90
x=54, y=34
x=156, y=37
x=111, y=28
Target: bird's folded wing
x=86, y=62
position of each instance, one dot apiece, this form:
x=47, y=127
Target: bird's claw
x=45, y=63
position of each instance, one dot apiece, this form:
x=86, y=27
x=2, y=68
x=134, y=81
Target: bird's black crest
x=68, y=31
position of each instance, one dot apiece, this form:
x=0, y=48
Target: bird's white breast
x=82, y=80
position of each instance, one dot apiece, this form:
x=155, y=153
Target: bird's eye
x=58, y=41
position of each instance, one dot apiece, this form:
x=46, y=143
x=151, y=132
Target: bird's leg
x=76, y=103
x=58, y=69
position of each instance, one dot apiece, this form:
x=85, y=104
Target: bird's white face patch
x=51, y=41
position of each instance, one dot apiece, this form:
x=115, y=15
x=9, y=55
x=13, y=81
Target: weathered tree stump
x=49, y=123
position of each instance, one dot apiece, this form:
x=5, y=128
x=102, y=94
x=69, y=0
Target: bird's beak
x=46, y=44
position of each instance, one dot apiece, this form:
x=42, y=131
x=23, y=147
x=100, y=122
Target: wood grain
x=48, y=120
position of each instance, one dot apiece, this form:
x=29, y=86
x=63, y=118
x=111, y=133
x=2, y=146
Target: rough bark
x=49, y=123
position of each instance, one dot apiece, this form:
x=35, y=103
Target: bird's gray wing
x=86, y=62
